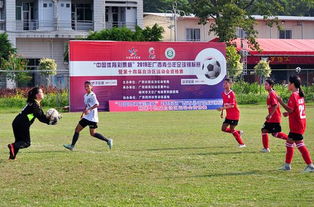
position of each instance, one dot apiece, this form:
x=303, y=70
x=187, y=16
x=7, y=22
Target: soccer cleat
x=285, y=167
x=68, y=146
x=242, y=145
x=110, y=143
x=265, y=150
x=12, y=152
x=309, y=168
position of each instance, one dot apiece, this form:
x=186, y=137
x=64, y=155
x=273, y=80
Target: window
x=18, y=13
x=62, y=4
x=241, y=33
x=45, y=5
x=82, y=11
x=50, y=4
x=193, y=34
x=285, y=34
x=68, y=5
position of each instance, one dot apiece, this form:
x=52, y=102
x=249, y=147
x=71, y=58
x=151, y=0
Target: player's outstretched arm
x=39, y=114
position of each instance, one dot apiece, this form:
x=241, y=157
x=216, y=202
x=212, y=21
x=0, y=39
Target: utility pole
x=175, y=12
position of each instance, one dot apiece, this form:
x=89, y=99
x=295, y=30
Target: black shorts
x=272, y=127
x=91, y=124
x=295, y=136
x=231, y=122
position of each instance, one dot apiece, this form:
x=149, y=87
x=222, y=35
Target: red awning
x=280, y=47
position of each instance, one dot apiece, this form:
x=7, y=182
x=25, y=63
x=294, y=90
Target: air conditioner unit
x=1, y=4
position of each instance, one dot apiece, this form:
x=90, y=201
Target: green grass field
x=158, y=159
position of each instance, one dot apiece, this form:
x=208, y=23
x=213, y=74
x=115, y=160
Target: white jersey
x=90, y=100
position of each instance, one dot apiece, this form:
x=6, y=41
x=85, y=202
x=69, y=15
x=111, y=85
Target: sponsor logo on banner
x=133, y=54
x=170, y=53
x=152, y=53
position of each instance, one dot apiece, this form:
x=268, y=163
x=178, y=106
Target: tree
x=6, y=48
x=234, y=66
x=48, y=67
x=124, y=34
x=229, y=15
x=15, y=64
x=262, y=70
x=154, y=33
x=294, y=8
x=166, y=5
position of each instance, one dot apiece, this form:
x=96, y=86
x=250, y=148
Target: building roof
x=275, y=47
x=285, y=18
x=257, y=17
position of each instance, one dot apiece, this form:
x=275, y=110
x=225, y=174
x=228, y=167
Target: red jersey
x=272, y=101
x=297, y=119
x=230, y=99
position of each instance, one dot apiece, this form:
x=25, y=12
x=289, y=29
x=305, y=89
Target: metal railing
x=77, y=25
x=282, y=75
x=193, y=40
x=35, y=25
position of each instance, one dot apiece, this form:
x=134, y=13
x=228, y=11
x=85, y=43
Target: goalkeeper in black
x=25, y=119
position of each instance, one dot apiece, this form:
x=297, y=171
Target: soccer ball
x=211, y=68
x=53, y=114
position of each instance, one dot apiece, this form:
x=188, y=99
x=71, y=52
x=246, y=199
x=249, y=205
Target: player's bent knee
x=26, y=144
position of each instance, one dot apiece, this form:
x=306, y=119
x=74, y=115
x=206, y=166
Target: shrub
x=17, y=97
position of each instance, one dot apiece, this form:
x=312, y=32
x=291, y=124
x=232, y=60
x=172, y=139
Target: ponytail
x=301, y=92
x=32, y=95
x=296, y=80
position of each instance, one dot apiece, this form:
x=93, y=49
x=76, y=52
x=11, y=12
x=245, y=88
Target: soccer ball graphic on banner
x=53, y=114
x=211, y=68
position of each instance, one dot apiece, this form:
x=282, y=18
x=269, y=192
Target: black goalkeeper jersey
x=28, y=115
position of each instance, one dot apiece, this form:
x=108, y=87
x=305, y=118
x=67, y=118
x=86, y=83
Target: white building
x=42, y=28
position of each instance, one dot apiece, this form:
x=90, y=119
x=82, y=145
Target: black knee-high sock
x=75, y=138
x=101, y=137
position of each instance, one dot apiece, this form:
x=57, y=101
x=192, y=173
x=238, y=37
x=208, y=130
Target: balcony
x=111, y=24
x=35, y=25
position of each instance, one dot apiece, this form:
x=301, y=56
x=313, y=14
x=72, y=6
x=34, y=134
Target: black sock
x=75, y=138
x=99, y=136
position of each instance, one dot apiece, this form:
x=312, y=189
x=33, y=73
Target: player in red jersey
x=233, y=113
x=297, y=123
x=273, y=119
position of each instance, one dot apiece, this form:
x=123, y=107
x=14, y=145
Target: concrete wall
x=39, y=48
x=99, y=14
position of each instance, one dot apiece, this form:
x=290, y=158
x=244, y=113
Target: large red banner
x=169, y=75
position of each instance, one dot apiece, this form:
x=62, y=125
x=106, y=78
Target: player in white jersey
x=89, y=118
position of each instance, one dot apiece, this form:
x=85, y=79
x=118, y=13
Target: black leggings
x=22, y=136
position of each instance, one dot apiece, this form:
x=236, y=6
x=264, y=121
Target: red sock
x=228, y=130
x=289, y=153
x=280, y=135
x=304, y=151
x=237, y=137
x=265, y=140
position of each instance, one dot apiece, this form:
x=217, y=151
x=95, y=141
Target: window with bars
x=193, y=34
